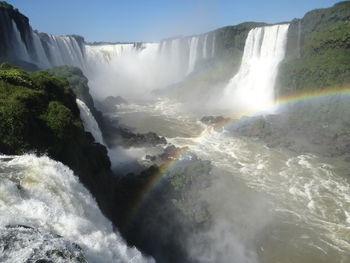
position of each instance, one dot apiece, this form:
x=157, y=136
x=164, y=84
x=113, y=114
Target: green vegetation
x=37, y=112
x=79, y=85
x=76, y=79
x=322, y=57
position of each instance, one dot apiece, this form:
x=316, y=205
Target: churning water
x=268, y=205
x=41, y=193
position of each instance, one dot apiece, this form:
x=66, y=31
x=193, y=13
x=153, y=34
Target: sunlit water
x=285, y=207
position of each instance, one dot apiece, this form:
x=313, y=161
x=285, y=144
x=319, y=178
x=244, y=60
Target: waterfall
x=21, y=49
x=47, y=50
x=252, y=88
x=105, y=53
x=65, y=50
x=42, y=193
x=213, y=46
x=205, y=47
x=89, y=122
x=41, y=57
x=192, y=58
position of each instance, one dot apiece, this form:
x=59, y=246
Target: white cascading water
x=42, y=193
x=123, y=69
x=192, y=57
x=252, y=88
x=41, y=57
x=204, y=55
x=90, y=124
x=103, y=53
x=213, y=46
x=62, y=50
x=117, y=69
x=65, y=50
x=21, y=48
x=175, y=57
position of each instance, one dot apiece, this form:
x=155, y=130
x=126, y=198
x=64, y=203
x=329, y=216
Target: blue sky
x=152, y=20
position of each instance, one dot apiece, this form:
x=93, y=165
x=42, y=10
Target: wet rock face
x=110, y=103
x=320, y=126
x=19, y=243
x=146, y=139
x=211, y=120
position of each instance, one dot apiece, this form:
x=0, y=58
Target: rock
x=22, y=243
x=110, y=103
x=111, y=100
x=210, y=120
x=141, y=139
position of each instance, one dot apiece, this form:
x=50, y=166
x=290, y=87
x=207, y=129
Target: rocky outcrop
x=320, y=126
x=110, y=103
x=162, y=201
x=212, y=120
x=21, y=243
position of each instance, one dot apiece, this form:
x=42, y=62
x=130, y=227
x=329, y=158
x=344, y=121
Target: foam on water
x=42, y=193
x=300, y=184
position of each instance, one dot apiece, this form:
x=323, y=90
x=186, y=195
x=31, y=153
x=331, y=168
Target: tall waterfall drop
x=89, y=122
x=252, y=88
x=43, y=194
x=193, y=54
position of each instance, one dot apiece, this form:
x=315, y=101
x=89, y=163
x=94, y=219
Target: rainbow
x=180, y=154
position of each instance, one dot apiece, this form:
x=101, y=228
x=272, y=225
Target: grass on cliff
x=324, y=55
x=37, y=112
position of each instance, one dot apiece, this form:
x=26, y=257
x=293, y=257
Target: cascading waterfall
x=192, y=57
x=205, y=47
x=175, y=56
x=65, y=50
x=41, y=57
x=213, y=46
x=105, y=53
x=127, y=66
x=48, y=50
x=89, y=122
x=252, y=88
x=41, y=193
x=21, y=48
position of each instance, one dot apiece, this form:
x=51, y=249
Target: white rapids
x=308, y=198
x=42, y=193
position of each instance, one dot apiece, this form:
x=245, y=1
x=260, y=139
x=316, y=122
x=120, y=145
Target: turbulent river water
x=269, y=205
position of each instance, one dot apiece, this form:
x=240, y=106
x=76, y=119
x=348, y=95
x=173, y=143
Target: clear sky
x=152, y=20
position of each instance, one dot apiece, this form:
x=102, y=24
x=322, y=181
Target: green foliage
x=76, y=79
x=332, y=67
x=324, y=57
x=60, y=120
x=37, y=112
x=14, y=76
